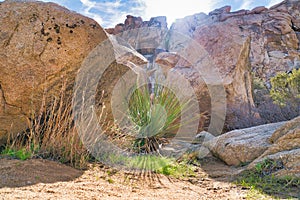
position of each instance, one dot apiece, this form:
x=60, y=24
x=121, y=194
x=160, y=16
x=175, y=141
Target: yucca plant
x=157, y=117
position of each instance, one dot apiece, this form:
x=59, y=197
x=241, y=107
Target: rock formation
x=243, y=146
x=42, y=46
x=278, y=142
x=285, y=148
x=133, y=22
x=240, y=44
x=274, y=36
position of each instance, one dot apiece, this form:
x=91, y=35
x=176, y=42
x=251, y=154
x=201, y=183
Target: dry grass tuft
x=51, y=134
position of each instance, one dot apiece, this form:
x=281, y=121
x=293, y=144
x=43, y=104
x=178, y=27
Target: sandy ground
x=44, y=179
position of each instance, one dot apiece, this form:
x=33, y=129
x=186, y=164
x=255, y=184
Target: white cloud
x=177, y=9
x=110, y=13
x=250, y=4
x=273, y=2
x=246, y=4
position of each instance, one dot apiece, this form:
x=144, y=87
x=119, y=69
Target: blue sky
x=109, y=13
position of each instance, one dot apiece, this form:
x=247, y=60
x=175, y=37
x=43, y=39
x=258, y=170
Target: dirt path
x=43, y=179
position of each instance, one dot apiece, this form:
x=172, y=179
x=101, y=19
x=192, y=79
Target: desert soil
x=44, y=179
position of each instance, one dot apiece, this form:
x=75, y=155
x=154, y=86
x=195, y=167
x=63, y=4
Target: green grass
x=154, y=163
x=162, y=165
x=262, y=182
x=22, y=154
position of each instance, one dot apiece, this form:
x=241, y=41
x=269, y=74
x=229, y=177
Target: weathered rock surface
x=263, y=41
x=274, y=36
x=228, y=65
x=145, y=36
x=278, y=142
x=42, y=46
x=285, y=148
x=243, y=146
x=132, y=22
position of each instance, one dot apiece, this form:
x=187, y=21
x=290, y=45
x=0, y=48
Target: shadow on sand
x=17, y=173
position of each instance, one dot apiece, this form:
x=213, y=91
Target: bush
x=281, y=103
x=286, y=88
x=264, y=113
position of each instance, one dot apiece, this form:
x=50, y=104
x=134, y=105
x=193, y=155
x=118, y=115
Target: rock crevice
x=7, y=42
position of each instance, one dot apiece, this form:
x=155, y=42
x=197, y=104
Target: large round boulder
x=42, y=48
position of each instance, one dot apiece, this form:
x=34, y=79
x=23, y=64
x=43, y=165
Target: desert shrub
x=286, y=88
x=237, y=119
x=281, y=103
x=271, y=112
x=263, y=113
